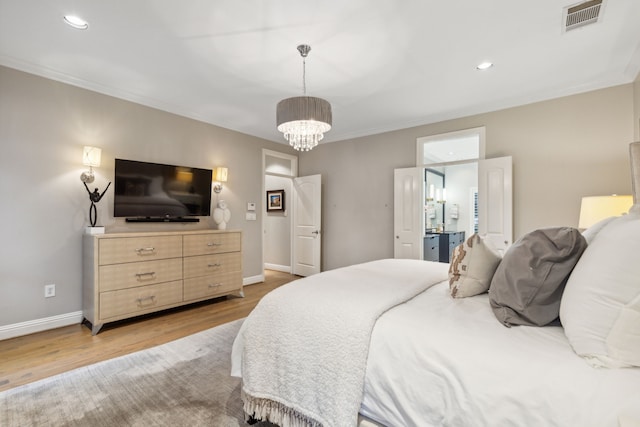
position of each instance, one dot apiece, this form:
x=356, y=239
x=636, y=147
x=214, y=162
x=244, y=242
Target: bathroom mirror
x=434, y=193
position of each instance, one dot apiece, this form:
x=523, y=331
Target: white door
x=307, y=237
x=495, y=199
x=408, y=213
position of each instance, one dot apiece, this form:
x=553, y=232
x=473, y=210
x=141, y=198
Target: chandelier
x=303, y=119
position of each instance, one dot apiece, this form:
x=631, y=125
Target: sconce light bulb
x=87, y=177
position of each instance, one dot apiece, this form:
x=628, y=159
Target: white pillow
x=600, y=307
x=473, y=264
x=590, y=233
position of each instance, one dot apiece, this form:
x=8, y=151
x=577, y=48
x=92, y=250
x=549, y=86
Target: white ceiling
x=383, y=64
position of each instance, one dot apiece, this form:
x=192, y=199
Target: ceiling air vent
x=582, y=14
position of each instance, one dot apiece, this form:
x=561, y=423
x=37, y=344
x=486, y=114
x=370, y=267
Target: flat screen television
x=157, y=192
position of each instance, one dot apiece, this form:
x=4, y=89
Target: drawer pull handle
x=216, y=265
x=214, y=244
x=150, y=274
x=150, y=300
x=145, y=251
x=215, y=285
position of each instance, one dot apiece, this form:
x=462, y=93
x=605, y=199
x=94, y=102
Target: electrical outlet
x=49, y=290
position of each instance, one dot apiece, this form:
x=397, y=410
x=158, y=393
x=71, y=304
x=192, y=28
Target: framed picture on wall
x=275, y=200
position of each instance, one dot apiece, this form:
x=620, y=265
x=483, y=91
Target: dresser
x=431, y=249
x=446, y=243
x=130, y=274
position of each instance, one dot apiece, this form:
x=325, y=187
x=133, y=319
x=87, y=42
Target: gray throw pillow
x=527, y=286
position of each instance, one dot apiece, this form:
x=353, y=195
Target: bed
x=386, y=343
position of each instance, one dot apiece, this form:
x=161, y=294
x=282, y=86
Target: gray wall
x=43, y=127
x=636, y=115
x=562, y=149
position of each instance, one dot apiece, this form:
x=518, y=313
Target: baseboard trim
x=39, y=325
x=276, y=267
x=253, y=280
x=53, y=322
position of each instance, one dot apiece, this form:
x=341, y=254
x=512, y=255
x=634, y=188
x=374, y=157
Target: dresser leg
x=96, y=328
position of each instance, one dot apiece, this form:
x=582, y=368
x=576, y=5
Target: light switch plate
x=250, y=216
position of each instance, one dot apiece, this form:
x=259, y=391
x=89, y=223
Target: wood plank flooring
x=33, y=357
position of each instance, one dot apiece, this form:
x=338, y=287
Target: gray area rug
x=182, y=383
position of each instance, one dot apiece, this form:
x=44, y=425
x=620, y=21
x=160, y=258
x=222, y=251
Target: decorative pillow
x=527, y=286
x=600, y=309
x=472, y=266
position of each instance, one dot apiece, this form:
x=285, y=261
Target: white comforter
x=304, y=348
x=439, y=361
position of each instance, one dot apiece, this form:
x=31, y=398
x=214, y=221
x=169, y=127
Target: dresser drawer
x=211, y=243
x=208, y=286
x=139, y=300
x=133, y=274
x=203, y=265
x=431, y=249
x=132, y=249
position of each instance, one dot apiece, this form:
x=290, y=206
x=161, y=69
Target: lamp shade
x=220, y=174
x=91, y=156
x=597, y=208
x=303, y=120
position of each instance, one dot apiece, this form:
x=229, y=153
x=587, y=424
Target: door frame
x=421, y=141
x=294, y=174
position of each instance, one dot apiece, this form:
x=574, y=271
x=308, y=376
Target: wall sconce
x=441, y=196
x=219, y=176
x=431, y=194
x=596, y=208
x=90, y=157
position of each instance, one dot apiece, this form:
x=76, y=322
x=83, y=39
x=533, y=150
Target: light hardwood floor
x=33, y=357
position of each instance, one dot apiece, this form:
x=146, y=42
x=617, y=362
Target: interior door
x=495, y=200
x=307, y=236
x=408, y=213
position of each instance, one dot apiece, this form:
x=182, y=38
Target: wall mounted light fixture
x=90, y=157
x=219, y=176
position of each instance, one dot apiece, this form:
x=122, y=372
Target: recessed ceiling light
x=484, y=65
x=76, y=22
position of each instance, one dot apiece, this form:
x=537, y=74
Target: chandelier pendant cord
x=304, y=76
x=304, y=51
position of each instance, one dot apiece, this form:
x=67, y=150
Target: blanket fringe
x=275, y=412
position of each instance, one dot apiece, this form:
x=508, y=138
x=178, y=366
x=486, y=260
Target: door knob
x=316, y=232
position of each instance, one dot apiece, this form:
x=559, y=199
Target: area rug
x=182, y=383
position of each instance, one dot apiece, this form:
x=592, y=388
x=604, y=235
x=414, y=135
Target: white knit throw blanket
x=304, y=347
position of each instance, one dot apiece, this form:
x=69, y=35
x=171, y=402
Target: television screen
x=152, y=190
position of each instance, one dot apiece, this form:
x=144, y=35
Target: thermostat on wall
x=251, y=207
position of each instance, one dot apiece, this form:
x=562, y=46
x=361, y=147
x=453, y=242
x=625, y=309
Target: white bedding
x=302, y=351
x=439, y=361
